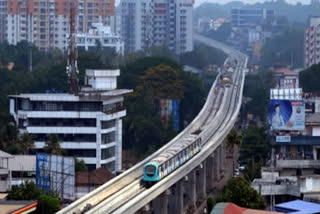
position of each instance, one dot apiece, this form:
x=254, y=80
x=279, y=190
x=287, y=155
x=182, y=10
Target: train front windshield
x=150, y=170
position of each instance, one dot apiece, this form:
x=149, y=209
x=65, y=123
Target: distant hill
x=295, y=13
x=211, y=10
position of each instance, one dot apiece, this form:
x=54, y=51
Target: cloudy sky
x=198, y=2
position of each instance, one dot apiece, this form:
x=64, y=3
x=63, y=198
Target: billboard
x=287, y=115
x=56, y=173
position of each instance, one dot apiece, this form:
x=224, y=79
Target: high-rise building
x=312, y=42
x=146, y=23
x=88, y=125
x=46, y=22
x=3, y=19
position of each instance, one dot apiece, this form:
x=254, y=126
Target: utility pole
x=72, y=67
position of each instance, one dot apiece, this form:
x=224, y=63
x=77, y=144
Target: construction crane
x=72, y=68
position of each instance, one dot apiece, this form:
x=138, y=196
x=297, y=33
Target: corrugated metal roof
x=23, y=163
x=299, y=205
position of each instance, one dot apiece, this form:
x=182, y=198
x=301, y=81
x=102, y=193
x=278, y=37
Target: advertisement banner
x=287, y=115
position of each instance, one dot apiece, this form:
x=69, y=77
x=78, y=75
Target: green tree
x=164, y=82
x=52, y=145
x=310, y=78
x=252, y=170
x=221, y=34
x=210, y=204
x=80, y=165
x=25, y=143
x=255, y=145
x=257, y=88
x=282, y=51
x=25, y=191
x=234, y=138
x=238, y=191
x=48, y=204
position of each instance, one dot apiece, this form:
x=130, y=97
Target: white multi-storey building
x=145, y=23
x=102, y=34
x=312, y=42
x=89, y=125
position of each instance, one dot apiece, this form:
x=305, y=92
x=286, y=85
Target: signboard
x=56, y=173
x=283, y=139
x=287, y=115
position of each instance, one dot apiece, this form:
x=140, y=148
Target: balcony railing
x=298, y=164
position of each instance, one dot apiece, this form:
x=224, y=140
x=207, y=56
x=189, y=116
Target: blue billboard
x=287, y=115
x=175, y=114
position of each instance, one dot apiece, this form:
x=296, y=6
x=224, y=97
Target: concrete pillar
x=192, y=190
x=210, y=172
x=160, y=204
x=179, y=197
x=216, y=165
x=203, y=181
x=172, y=201
x=223, y=158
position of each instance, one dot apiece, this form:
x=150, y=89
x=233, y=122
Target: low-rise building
x=88, y=181
x=16, y=169
x=89, y=125
x=286, y=78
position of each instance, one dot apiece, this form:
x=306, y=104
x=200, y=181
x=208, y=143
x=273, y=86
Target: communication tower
x=72, y=68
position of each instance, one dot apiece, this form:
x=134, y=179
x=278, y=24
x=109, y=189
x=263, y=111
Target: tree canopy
x=202, y=56
x=310, y=78
x=52, y=145
x=282, y=51
x=48, y=202
x=164, y=82
x=255, y=145
x=257, y=88
x=238, y=191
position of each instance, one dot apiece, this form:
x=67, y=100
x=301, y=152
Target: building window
x=108, y=153
x=108, y=137
x=108, y=124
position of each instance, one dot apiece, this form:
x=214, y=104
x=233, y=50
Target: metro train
x=171, y=159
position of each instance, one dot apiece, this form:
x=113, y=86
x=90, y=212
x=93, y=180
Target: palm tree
x=25, y=143
x=53, y=145
x=233, y=138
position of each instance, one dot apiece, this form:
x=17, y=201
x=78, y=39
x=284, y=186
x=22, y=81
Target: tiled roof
x=96, y=177
x=286, y=71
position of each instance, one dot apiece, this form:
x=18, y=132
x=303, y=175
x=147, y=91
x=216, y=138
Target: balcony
x=276, y=189
x=298, y=164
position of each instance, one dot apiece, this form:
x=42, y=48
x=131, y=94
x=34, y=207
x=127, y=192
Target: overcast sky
x=198, y=2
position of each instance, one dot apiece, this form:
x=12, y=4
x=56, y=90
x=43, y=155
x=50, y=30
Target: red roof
x=96, y=177
x=230, y=208
x=286, y=71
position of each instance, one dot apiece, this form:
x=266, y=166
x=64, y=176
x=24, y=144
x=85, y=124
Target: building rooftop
x=71, y=97
x=299, y=206
x=230, y=208
x=5, y=155
x=96, y=177
x=15, y=207
x=23, y=163
x=286, y=72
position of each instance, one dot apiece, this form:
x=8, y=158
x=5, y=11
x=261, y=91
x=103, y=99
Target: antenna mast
x=72, y=68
